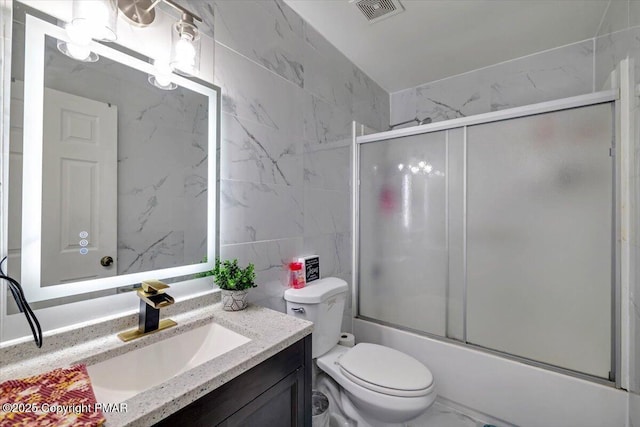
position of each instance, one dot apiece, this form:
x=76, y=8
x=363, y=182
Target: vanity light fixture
x=185, y=46
x=91, y=20
x=185, y=36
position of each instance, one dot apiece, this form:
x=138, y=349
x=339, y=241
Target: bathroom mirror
x=112, y=180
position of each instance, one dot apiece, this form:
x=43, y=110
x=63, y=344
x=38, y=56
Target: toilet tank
x=322, y=302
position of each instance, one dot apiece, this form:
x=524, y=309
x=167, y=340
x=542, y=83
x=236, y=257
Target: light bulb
x=78, y=51
x=185, y=55
x=162, y=79
x=97, y=17
x=78, y=45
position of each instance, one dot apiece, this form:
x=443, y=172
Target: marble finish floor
x=441, y=415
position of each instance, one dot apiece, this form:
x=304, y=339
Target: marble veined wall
x=570, y=70
x=289, y=98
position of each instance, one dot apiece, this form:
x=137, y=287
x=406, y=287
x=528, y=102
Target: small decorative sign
x=311, y=267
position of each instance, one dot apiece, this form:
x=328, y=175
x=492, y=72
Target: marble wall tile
x=270, y=258
x=634, y=306
x=150, y=251
x=554, y=74
x=458, y=96
x=259, y=201
x=272, y=39
x=374, y=112
x=616, y=17
x=328, y=169
x=334, y=251
x=254, y=93
x=635, y=346
x=634, y=13
x=332, y=77
x=634, y=41
x=251, y=212
x=557, y=73
x=204, y=9
x=326, y=212
x=280, y=10
x=634, y=410
x=326, y=78
x=257, y=153
x=317, y=41
x=404, y=106
x=610, y=50
x=325, y=124
x=371, y=103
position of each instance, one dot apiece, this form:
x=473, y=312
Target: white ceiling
x=433, y=39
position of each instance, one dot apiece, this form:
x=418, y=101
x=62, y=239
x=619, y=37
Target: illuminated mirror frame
x=35, y=32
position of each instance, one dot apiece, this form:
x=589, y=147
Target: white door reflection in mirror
x=79, y=188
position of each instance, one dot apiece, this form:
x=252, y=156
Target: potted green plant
x=233, y=281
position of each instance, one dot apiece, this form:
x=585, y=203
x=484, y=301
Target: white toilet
x=376, y=385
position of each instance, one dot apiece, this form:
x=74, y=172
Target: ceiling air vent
x=376, y=10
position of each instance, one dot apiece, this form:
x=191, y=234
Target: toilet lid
x=385, y=370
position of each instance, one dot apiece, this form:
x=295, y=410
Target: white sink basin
x=121, y=377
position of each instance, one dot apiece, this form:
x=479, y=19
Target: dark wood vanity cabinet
x=276, y=393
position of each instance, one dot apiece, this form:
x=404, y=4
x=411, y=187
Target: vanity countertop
x=270, y=332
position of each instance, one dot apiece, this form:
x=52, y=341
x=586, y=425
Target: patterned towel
x=62, y=397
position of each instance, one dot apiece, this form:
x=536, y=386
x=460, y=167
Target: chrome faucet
x=152, y=299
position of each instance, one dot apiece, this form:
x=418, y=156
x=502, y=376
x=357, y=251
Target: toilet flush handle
x=298, y=310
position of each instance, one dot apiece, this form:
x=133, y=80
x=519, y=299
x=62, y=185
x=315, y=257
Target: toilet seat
x=385, y=370
x=371, y=405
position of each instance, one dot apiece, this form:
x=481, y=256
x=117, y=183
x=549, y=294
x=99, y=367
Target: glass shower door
x=402, y=235
x=539, y=237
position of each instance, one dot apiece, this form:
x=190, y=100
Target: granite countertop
x=270, y=332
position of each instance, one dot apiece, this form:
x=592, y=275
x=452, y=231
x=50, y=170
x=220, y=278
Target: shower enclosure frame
x=607, y=96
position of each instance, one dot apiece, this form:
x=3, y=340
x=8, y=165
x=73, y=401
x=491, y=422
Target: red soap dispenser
x=296, y=275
